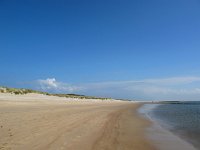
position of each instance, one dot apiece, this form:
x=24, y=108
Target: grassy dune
x=22, y=91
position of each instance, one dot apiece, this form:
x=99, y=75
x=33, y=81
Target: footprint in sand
x=9, y=132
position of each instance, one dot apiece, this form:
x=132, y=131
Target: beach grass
x=22, y=91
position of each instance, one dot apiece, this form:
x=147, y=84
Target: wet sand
x=162, y=138
x=61, y=124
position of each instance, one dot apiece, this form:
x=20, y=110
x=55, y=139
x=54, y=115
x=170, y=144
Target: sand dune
x=42, y=124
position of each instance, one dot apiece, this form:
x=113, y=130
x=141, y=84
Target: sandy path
x=71, y=126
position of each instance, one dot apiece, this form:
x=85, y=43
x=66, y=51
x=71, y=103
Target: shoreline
x=161, y=137
x=41, y=122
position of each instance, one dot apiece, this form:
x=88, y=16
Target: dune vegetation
x=21, y=91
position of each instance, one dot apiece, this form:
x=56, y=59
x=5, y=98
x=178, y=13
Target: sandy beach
x=43, y=122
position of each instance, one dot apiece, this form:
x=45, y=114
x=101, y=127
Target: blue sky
x=76, y=46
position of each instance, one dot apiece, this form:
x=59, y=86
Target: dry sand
x=35, y=122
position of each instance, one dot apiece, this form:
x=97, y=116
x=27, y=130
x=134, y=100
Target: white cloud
x=175, y=88
x=184, y=88
x=50, y=84
x=173, y=81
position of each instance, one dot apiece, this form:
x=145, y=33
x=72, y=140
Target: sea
x=180, y=118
